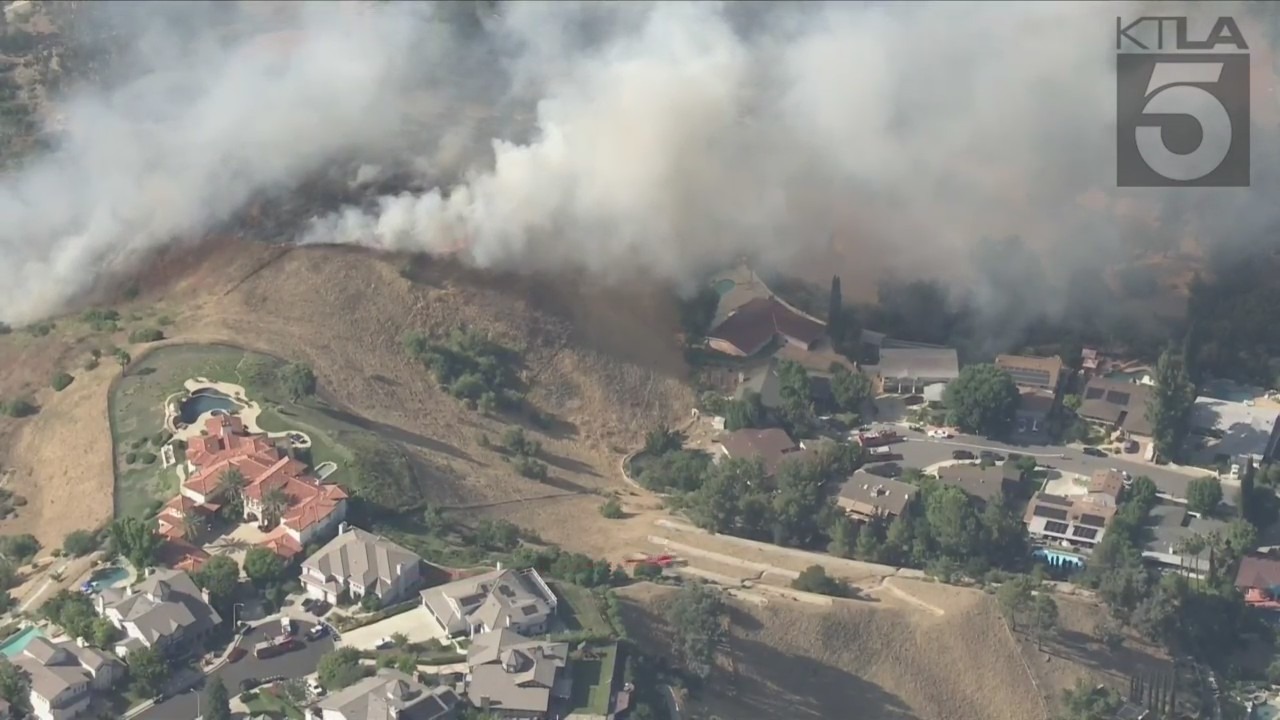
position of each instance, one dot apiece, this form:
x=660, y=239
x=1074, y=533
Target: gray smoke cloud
x=663, y=138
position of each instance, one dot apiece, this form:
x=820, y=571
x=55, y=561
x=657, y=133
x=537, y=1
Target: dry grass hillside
x=603, y=363
x=889, y=661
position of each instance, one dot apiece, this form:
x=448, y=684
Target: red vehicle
x=878, y=438
x=275, y=646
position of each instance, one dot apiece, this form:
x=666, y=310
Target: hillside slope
x=603, y=364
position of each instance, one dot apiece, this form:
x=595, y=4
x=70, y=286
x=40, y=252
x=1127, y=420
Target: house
x=1106, y=486
x=761, y=321
x=511, y=676
x=307, y=508
x=64, y=675
x=1078, y=521
x=1170, y=526
x=1236, y=430
x=518, y=600
x=765, y=380
x=390, y=695
x=906, y=371
x=1259, y=579
x=165, y=610
x=772, y=446
x=1116, y=405
x=1039, y=381
x=866, y=496
x=358, y=563
x=983, y=484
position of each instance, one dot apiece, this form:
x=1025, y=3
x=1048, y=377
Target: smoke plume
x=661, y=138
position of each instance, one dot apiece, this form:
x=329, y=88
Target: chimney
x=499, y=565
x=343, y=527
x=204, y=595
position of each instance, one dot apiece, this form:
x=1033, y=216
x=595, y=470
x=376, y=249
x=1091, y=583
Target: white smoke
x=668, y=137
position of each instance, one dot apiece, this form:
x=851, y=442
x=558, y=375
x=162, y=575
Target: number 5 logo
x=1175, y=89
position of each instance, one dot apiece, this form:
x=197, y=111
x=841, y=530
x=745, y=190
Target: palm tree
x=1190, y=547
x=232, y=483
x=193, y=523
x=274, y=502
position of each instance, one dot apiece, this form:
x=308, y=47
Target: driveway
x=296, y=664
x=416, y=624
x=921, y=451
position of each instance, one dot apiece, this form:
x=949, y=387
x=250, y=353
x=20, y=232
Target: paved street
x=921, y=451
x=296, y=664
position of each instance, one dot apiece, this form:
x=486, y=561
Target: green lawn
x=593, y=682
x=276, y=706
x=579, y=611
x=137, y=414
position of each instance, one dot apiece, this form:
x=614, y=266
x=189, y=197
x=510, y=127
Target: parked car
x=961, y=455
x=1095, y=452
x=939, y=433
x=1131, y=446
x=384, y=643
x=307, y=602
x=317, y=632
x=236, y=654
x=990, y=456
x=319, y=608
x=314, y=687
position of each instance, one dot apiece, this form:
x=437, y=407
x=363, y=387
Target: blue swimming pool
x=1059, y=559
x=203, y=401
x=19, y=642
x=109, y=577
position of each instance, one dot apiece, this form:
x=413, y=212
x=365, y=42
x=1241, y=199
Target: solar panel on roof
x=1092, y=520
x=1050, y=512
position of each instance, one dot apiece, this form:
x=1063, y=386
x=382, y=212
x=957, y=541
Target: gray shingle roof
x=390, y=695
x=921, y=364
x=164, y=603
x=359, y=557
x=489, y=599
x=512, y=672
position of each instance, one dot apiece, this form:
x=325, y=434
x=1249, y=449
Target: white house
x=64, y=675
x=360, y=562
x=517, y=600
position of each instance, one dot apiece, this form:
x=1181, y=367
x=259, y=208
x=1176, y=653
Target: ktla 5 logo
x=1182, y=117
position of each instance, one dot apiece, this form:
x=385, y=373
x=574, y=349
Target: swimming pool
x=1059, y=559
x=110, y=576
x=19, y=642
x=1266, y=712
x=202, y=401
x=724, y=286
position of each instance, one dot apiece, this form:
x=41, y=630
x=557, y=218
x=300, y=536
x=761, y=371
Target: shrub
x=40, y=329
x=80, y=542
x=164, y=320
x=17, y=407
x=91, y=363
x=161, y=438
x=61, y=381
x=146, y=335
x=138, y=443
x=612, y=509
x=130, y=457
x=530, y=468
x=517, y=443
x=814, y=579
x=146, y=457
x=647, y=571
x=102, y=320
x=19, y=548
x=131, y=291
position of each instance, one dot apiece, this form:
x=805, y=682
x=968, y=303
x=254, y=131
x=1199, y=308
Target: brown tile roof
x=771, y=445
x=1031, y=371
x=983, y=483
x=1078, y=509
x=868, y=494
x=1258, y=570
x=1117, y=403
x=753, y=325
x=1107, y=482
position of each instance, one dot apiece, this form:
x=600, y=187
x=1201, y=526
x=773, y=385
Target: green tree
x=1170, y=404
x=298, y=381
x=231, y=484
x=844, y=536
x=611, y=509
x=681, y=471
x=1016, y=596
x=219, y=577
x=797, y=396
x=748, y=412
x=697, y=617
x=1088, y=702
x=123, y=358
x=274, y=502
x=1044, y=618
x=217, y=701
x=835, y=312
x=798, y=503
x=149, y=670
x=715, y=505
x=339, y=669
x=662, y=440
x=136, y=540
x=104, y=633
x=79, y=543
x=952, y=522
x=15, y=688
x=262, y=566
x=983, y=399
x=851, y=389
x=1204, y=495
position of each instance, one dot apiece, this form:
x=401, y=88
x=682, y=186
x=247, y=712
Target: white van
x=286, y=626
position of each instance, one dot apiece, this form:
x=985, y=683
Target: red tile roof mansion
x=313, y=507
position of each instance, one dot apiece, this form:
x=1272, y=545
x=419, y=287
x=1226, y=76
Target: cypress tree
x=835, y=308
